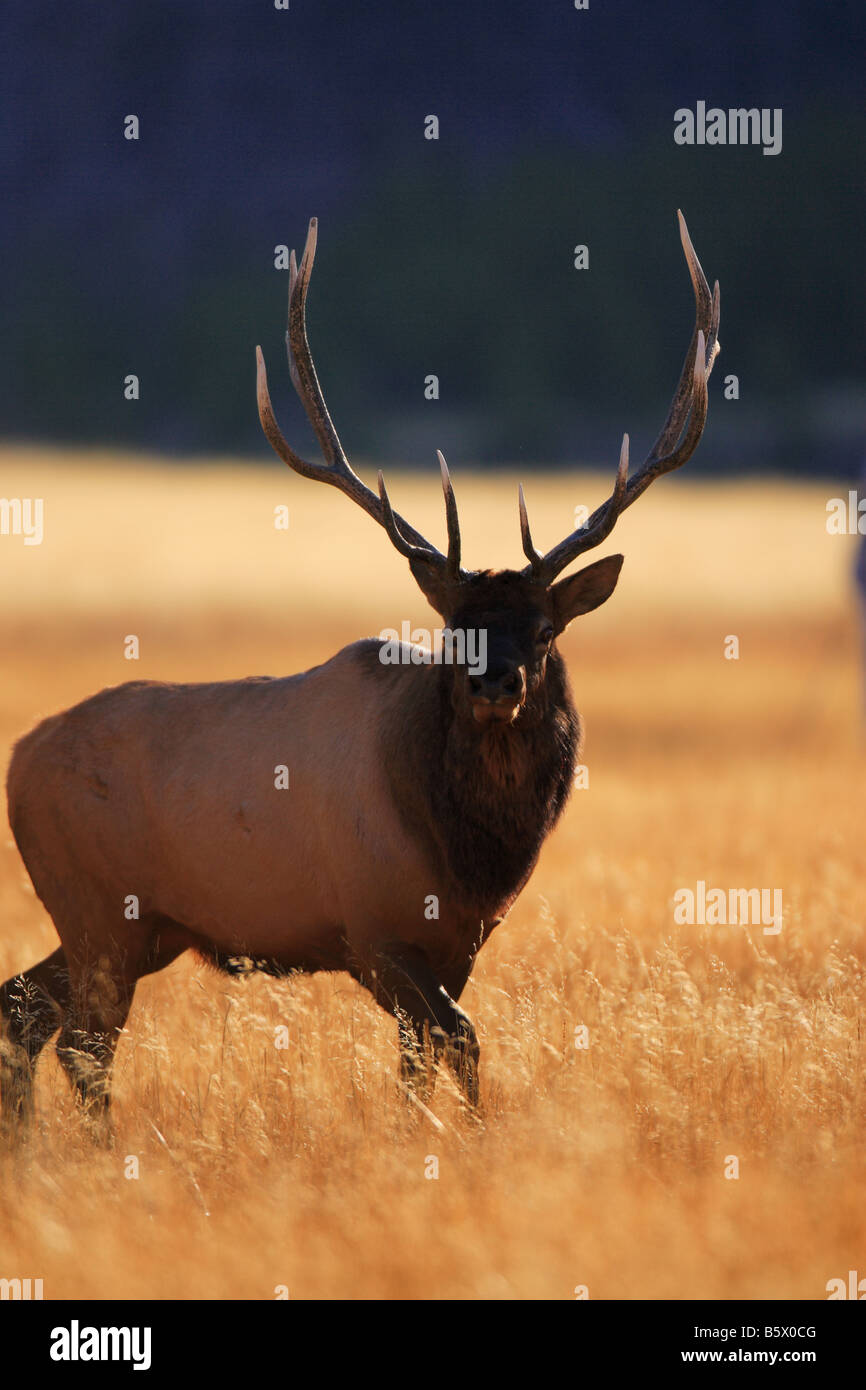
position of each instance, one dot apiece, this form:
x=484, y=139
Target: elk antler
x=690, y=398
x=336, y=469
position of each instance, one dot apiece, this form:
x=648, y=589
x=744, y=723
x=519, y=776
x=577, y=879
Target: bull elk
x=407, y=782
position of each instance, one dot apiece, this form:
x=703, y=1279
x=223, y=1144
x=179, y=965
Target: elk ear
x=433, y=585
x=587, y=589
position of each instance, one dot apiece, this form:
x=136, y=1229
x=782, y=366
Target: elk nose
x=506, y=687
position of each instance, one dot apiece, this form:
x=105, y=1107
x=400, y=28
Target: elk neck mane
x=483, y=801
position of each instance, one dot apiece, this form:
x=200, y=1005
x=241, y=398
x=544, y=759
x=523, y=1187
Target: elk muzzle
x=498, y=696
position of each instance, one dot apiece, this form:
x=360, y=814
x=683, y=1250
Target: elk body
x=409, y=784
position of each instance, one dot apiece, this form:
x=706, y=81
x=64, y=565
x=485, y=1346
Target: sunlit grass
x=603, y=1166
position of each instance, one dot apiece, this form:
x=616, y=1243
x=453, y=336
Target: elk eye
x=545, y=636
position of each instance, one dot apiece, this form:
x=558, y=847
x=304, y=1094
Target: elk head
x=521, y=612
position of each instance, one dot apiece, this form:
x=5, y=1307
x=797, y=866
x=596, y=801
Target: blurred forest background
x=451, y=256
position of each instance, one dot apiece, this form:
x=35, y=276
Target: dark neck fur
x=485, y=800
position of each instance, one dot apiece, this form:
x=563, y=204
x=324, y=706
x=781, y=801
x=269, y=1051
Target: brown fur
x=397, y=797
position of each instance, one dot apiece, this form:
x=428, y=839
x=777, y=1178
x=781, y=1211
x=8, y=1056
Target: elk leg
x=32, y=1005
x=404, y=984
x=101, y=997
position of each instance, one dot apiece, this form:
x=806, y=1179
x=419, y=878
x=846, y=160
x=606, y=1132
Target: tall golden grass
x=602, y=1167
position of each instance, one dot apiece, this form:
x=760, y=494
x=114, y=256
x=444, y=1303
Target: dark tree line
x=449, y=257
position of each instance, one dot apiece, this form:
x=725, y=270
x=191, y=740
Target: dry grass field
x=601, y=1167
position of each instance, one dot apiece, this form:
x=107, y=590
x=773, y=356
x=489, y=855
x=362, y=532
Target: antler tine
x=393, y=525
x=706, y=320
x=534, y=556
x=545, y=568
x=452, y=520
x=304, y=375
x=293, y=371
x=689, y=404
x=600, y=530
x=336, y=469
x=654, y=467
